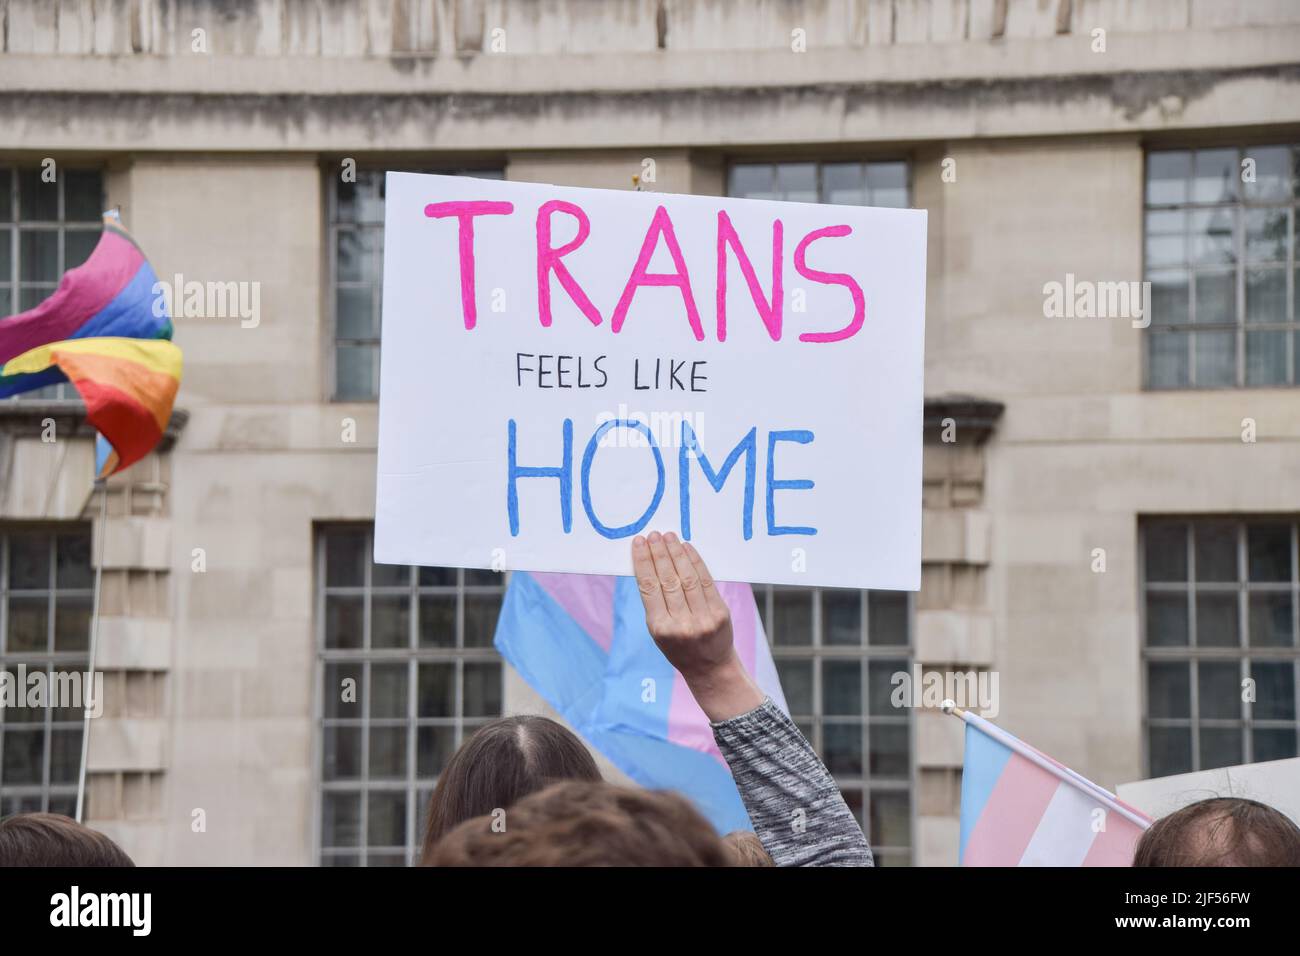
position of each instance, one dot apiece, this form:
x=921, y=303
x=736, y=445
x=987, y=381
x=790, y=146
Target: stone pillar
x=47, y=461
x=128, y=743
x=954, y=629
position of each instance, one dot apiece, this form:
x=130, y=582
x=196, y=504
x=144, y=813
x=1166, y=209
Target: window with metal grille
x=46, y=593
x=47, y=226
x=356, y=246
x=407, y=672
x=1221, y=260
x=1222, y=641
x=837, y=651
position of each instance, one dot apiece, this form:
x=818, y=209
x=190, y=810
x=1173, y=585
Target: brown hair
x=48, y=839
x=503, y=762
x=1222, y=831
x=747, y=849
x=581, y=823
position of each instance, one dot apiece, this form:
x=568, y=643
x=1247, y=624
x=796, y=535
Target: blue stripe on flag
x=550, y=651
x=983, y=764
x=16, y=384
x=664, y=766
x=600, y=695
x=130, y=313
x=102, y=450
x=630, y=703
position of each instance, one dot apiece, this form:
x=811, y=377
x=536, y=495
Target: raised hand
x=691, y=624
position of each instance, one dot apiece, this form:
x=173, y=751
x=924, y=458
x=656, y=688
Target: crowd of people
x=525, y=791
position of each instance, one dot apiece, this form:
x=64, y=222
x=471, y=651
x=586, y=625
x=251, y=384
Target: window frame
x=414, y=787
x=1240, y=327
x=1244, y=654
x=333, y=226
x=816, y=652
x=820, y=163
x=11, y=272
x=48, y=659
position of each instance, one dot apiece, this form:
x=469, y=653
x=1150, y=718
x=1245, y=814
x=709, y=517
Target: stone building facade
x=1110, y=518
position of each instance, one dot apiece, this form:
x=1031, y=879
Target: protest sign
x=1274, y=782
x=564, y=368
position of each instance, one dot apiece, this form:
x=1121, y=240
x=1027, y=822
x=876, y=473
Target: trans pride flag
x=1019, y=807
x=581, y=642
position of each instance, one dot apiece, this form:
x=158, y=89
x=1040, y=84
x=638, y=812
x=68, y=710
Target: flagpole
x=87, y=691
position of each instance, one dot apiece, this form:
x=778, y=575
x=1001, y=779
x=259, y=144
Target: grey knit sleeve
x=794, y=805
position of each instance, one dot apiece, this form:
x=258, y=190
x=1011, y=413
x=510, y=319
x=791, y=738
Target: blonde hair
x=747, y=849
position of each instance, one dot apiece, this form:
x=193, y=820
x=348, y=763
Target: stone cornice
x=974, y=418
x=26, y=418
x=498, y=121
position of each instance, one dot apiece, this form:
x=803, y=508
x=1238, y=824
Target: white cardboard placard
x=1275, y=782
x=511, y=309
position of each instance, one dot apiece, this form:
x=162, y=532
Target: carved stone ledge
x=20, y=418
x=975, y=418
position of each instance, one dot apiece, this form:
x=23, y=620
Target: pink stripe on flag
x=744, y=620
x=687, y=724
x=1114, y=846
x=81, y=294
x=1011, y=815
x=587, y=598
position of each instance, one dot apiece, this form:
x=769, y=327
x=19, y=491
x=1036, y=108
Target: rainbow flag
x=1019, y=807
x=110, y=294
x=581, y=642
x=128, y=385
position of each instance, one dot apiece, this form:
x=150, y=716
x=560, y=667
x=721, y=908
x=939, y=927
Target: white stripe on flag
x=1065, y=832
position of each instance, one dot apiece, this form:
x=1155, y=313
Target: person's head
x=49, y=839
x=585, y=823
x=1223, y=831
x=747, y=849
x=504, y=761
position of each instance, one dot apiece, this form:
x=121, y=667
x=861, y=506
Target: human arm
x=793, y=803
